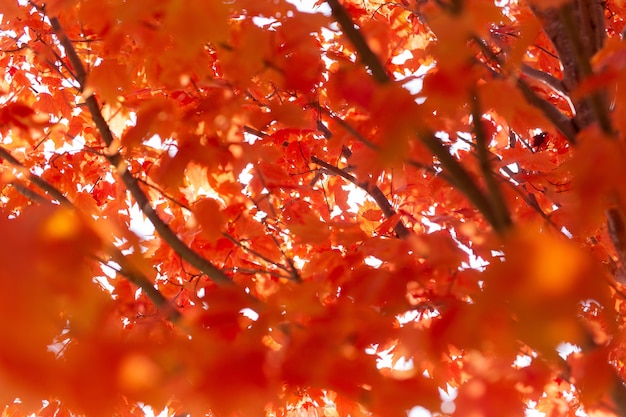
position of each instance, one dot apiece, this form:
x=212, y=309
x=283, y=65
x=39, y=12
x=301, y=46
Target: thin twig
x=164, y=194
x=372, y=189
x=255, y=253
x=250, y=271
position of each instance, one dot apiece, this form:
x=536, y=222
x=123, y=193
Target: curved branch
x=549, y=80
x=563, y=123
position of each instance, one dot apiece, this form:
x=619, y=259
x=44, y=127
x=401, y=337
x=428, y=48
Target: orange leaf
x=208, y=213
x=592, y=374
x=108, y=80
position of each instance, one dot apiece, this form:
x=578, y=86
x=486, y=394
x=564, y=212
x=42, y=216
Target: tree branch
x=372, y=189
x=563, y=123
x=368, y=57
x=126, y=268
x=577, y=32
x=255, y=253
x=38, y=181
x=544, y=77
x=617, y=233
x=226, y=235
x=189, y=255
x=132, y=274
x=501, y=212
x=458, y=177
x=581, y=57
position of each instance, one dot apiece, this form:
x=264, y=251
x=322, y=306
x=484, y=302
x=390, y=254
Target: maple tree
x=485, y=137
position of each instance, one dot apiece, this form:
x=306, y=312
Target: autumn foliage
x=246, y=208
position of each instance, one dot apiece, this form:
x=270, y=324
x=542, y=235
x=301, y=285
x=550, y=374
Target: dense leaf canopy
x=361, y=208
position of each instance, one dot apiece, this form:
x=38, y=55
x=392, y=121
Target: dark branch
x=544, y=77
x=582, y=61
x=498, y=204
x=461, y=179
x=563, y=123
x=368, y=57
x=38, y=181
x=126, y=269
x=372, y=189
